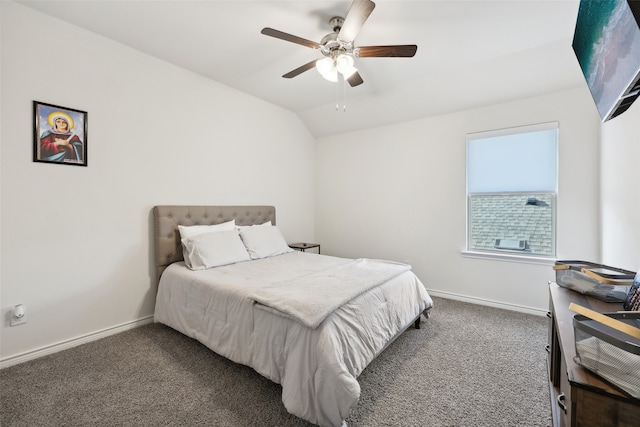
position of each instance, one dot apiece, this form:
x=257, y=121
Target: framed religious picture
x=60, y=134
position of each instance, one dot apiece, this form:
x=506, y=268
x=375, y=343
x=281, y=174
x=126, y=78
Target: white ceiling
x=470, y=53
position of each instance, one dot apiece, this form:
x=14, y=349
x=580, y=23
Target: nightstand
x=304, y=246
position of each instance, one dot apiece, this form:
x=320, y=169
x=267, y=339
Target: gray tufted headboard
x=166, y=219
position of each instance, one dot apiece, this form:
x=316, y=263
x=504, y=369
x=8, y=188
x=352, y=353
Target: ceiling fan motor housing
x=329, y=44
x=332, y=46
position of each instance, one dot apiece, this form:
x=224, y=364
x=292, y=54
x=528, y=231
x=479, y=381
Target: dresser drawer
x=597, y=410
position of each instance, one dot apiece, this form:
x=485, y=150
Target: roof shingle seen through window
x=508, y=216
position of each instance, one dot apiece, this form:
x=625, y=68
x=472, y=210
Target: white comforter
x=317, y=368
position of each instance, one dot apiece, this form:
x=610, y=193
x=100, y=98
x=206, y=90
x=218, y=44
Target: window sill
x=511, y=257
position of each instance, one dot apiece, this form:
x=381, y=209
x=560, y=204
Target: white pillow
x=214, y=249
x=195, y=230
x=264, y=242
x=264, y=224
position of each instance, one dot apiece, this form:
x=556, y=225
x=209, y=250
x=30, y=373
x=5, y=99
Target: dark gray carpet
x=469, y=365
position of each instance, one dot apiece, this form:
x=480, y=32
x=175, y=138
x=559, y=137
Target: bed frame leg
x=426, y=313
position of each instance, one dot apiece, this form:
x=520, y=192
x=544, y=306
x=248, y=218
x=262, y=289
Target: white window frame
x=509, y=255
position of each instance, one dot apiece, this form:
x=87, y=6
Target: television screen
x=607, y=45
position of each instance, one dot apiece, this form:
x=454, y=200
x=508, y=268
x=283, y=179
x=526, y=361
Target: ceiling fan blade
x=355, y=79
x=301, y=69
x=356, y=17
x=290, y=38
x=398, y=51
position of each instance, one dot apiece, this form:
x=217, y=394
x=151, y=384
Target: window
x=511, y=190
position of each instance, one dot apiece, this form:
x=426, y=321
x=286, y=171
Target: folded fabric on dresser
x=610, y=362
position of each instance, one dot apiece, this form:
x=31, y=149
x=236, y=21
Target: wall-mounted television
x=607, y=44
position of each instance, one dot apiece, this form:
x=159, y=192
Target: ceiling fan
x=338, y=47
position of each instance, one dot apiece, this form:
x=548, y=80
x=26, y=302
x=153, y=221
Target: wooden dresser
x=578, y=397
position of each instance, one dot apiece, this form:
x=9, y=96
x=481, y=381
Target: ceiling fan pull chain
x=344, y=94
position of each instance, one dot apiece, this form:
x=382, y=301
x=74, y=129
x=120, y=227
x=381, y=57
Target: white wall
x=76, y=241
x=398, y=192
x=621, y=190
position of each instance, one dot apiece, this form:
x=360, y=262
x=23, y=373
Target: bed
x=256, y=311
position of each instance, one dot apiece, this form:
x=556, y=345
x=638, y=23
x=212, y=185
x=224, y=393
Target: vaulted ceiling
x=470, y=53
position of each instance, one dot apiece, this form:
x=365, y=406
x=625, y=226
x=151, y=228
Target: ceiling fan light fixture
x=327, y=69
x=344, y=65
x=343, y=62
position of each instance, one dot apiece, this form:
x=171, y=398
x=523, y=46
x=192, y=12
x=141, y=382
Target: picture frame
x=59, y=134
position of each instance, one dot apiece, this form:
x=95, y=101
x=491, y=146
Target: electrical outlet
x=19, y=315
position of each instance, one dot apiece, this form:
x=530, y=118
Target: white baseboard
x=490, y=303
x=64, y=345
